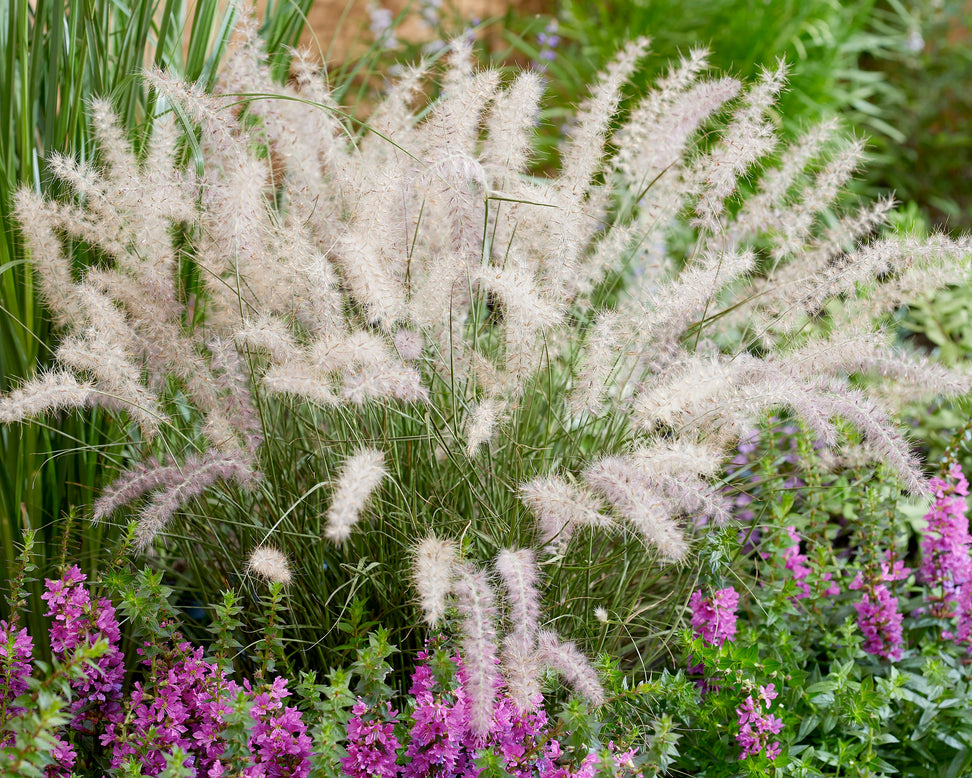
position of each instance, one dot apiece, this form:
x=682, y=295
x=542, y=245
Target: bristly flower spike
x=432, y=573
x=360, y=476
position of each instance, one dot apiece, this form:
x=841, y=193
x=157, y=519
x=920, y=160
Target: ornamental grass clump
x=334, y=337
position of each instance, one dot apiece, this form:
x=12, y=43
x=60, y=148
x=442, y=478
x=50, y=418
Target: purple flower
x=755, y=727
x=184, y=702
x=78, y=622
x=279, y=743
x=16, y=651
x=795, y=562
x=548, y=41
x=945, y=545
x=181, y=705
x=879, y=619
x=64, y=756
x=442, y=741
x=714, y=618
x=963, y=608
x=945, y=548
x=372, y=745
x=439, y=730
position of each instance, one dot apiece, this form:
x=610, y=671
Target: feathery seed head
x=432, y=573
x=48, y=392
x=270, y=564
x=409, y=344
x=360, y=476
x=518, y=571
x=633, y=497
x=561, y=507
x=477, y=605
x=570, y=662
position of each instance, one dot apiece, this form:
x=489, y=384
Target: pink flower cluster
x=279, y=744
x=877, y=613
x=714, y=618
x=76, y=622
x=756, y=727
x=945, y=547
x=184, y=702
x=16, y=650
x=441, y=740
x=372, y=746
x=179, y=706
x=188, y=704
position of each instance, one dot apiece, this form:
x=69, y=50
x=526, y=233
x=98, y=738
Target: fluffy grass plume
x=269, y=564
x=432, y=575
x=360, y=476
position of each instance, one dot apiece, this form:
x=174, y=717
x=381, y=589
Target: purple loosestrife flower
x=621, y=763
x=795, y=562
x=945, y=549
x=755, y=727
x=180, y=705
x=517, y=737
x=877, y=613
x=279, y=743
x=371, y=745
x=443, y=742
x=16, y=651
x=439, y=729
x=64, y=756
x=714, y=618
x=185, y=703
x=963, y=630
x=78, y=622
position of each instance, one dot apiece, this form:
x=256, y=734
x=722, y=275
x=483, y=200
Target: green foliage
x=271, y=649
x=226, y=646
x=328, y=708
x=898, y=72
x=821, y=40
x=924, y=157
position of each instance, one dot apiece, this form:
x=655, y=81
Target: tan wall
x=337, y=24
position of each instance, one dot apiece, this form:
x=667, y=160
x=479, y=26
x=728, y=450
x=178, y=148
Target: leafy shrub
x=847, y=649
x=922, y=156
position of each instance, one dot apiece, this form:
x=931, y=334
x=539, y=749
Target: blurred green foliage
x=925, y=154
